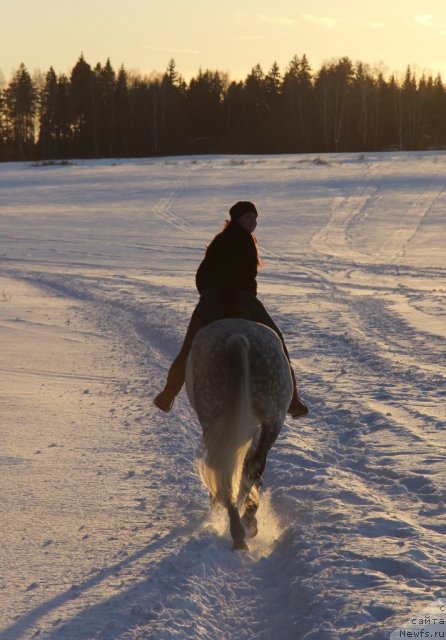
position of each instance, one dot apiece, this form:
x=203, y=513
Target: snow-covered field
x=105, y=527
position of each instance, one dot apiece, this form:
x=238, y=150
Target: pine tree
x=173, y=111
x=298, y=106
x=235, y=119
x=83, y=110
x=333, y=91
x=259, y=116
x=105, y=108
x=204, y=109
x=48, y=102
x=122, y=113
x=409, y=110
x=20, y=105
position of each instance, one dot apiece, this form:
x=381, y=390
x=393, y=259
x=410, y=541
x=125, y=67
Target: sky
x=230, y=36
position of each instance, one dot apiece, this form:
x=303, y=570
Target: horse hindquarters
x=227, y=357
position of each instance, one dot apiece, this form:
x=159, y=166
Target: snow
x=106, y=529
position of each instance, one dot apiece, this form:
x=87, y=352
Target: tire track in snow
x=353, y=553
x=195, y=573
x=340, y=221
x=398, y=243
x=237, y=595
x=332, y=239
x=163, y=209
x=58, y=375
x=356, y=466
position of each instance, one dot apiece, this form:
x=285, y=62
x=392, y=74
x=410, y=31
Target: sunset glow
x=233, y=37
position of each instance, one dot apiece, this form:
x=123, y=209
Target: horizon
x=232, y=39
x=375, y=69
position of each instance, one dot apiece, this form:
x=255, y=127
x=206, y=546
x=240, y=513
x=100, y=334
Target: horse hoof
x=240, y=545
x=250, y=525
x=252, y=530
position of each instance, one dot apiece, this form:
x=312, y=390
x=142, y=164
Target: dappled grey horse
x=239, y=383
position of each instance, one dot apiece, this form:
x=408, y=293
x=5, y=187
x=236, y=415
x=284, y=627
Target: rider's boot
x=165, y=399
x=175, y=380
x=297, y=409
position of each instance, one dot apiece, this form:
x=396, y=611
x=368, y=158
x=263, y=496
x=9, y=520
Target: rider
x=226, y=282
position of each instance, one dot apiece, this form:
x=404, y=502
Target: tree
x=437, y=120
x=298, y=106
x=122, y=113
x=105, y=108
x=204, y=110
x=258, y=113
x=83, y=110
x=140, y=116
x=333, y=90
x=235, y=118
x=20, y=99
x=54, y=110
x=273, y=99
x=97, y=112
x=4, y=130
x=409, y=110
x=273, y=81
x=361, y=108
x=172, y=134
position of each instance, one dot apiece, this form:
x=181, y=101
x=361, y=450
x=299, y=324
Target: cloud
x=375, y=25
x=281, y=20
x=426, y=19
x=252, y=38
x=322, y=21
x=194, y=52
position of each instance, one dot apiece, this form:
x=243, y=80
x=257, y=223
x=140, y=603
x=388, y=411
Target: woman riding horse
x=226, y=282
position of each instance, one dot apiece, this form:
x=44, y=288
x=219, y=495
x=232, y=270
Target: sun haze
x=232, y=36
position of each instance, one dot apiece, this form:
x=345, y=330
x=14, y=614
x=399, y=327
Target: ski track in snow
x=353, y=517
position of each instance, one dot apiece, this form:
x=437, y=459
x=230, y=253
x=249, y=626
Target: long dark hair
x=231, y=224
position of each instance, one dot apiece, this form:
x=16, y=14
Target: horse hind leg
x=257, y=461
x=249, y=519
x=251, y=489
x=253, y=472
x=237, y=530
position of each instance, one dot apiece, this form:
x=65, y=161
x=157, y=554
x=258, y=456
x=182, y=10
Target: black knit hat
x=240, y=208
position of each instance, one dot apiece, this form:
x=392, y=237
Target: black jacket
x=230, y=263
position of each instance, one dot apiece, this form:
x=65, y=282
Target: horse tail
x=231, y=438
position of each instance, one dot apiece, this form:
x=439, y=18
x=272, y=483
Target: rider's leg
x=204, y=313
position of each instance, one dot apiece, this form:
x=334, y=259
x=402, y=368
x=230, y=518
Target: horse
x=238, y=381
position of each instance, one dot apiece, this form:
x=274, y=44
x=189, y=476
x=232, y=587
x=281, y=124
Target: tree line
x=99, y=112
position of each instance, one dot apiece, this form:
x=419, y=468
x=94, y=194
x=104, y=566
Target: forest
x=98, y=111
